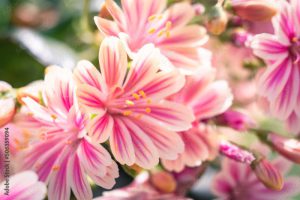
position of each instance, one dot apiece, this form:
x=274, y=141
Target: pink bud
x=255, y=10
x=7, y=104
x=163, y=181
x=236, y=153
x=289, y=148
x=217, y=20
x=268, y=174
x=236, y=120
x=240, y=37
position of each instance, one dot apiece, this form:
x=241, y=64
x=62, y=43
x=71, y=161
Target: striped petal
x=90, y=99
x=117, y=14
x=100, y=127
x=78, y=179
x=121, y=144
x=107, y=27
x=146, y=154
x=113, y=61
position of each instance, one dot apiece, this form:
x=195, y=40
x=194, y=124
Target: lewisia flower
x=65, y=155
x=238, y=181
x=23, y=186
x=206, y=98
x=126, y=106
x=279, y=83
x=140, y=22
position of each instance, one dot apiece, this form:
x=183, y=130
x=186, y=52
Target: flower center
x=159, y=27
x=295, y=50
x=135, y=106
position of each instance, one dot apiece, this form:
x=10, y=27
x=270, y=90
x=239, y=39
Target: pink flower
x=7, y=103
x=236, y=120
x=127, y=107
x=238, y=181
x=289, y=148
x=141, y=22
x=206, y=98
x=22, y=186
x=65, y=155
x=279, y=83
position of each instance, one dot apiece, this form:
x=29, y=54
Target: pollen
x=130, y=103
x=68, y=142
x=295, y=39
x=142, y=93
x=54, y=117
x=136, y=96
x=55, y=168
x=151, y=18
x=127, y=112
x=148, y=110
x=149, y=101
x=151, y=30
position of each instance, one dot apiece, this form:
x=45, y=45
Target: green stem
x=85, y=20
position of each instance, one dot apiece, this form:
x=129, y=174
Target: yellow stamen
x=136, y=96
x=151, y=18
x=142, y=93
x=148, y=110
x=130, y=103
x=149, y=101
x=168, y=25
x=54, y=117
x=161, y=32
x=151, y=30
x=30, y=114
x=55, y=168
x=127, y=112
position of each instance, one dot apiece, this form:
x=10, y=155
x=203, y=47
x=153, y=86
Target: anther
x=55, y=168
x=151, y=30
x=142, y=93
x=127, y=112
x=148, y=110
x=136, y=96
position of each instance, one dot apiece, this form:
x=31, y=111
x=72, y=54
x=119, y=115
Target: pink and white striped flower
x=141, y=22
x=280, y=82
x=65, y=155
x=238, y=181
x=127, y=106
x=207, y=98
x=23, y=186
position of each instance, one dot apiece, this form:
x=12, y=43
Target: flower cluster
x=162, y=106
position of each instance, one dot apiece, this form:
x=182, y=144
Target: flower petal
x=113, y=61
x=100, y=127
x=107, y=27
x=121, y=144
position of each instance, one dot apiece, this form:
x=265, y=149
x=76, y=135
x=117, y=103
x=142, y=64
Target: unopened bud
x=236, y=120
x=240, y=37
x=199, y=9
x=233, y=152
x=217, y=20
x=163, y=181
x=255, y=10
x=289, y=148
x=268, y=174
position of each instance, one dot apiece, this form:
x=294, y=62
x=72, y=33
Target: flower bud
x=240, y=37
x=255, y=10
x=163, y=181
x=217, y=20
x=268, y=174
x=233, y=152
x=236, y=120
x=7, y=104
x=199, y=9
x=289, y=148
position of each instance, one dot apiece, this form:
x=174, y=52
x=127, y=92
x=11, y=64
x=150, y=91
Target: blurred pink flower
x=7, y=104
x=238, y=181
x=141, y=22
x=236, y=120
x=23, y=186
x=280, y=82
x=128, y=107
x=207, y=98
x=140, y=189
x=287, y=147
x=65, y=155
